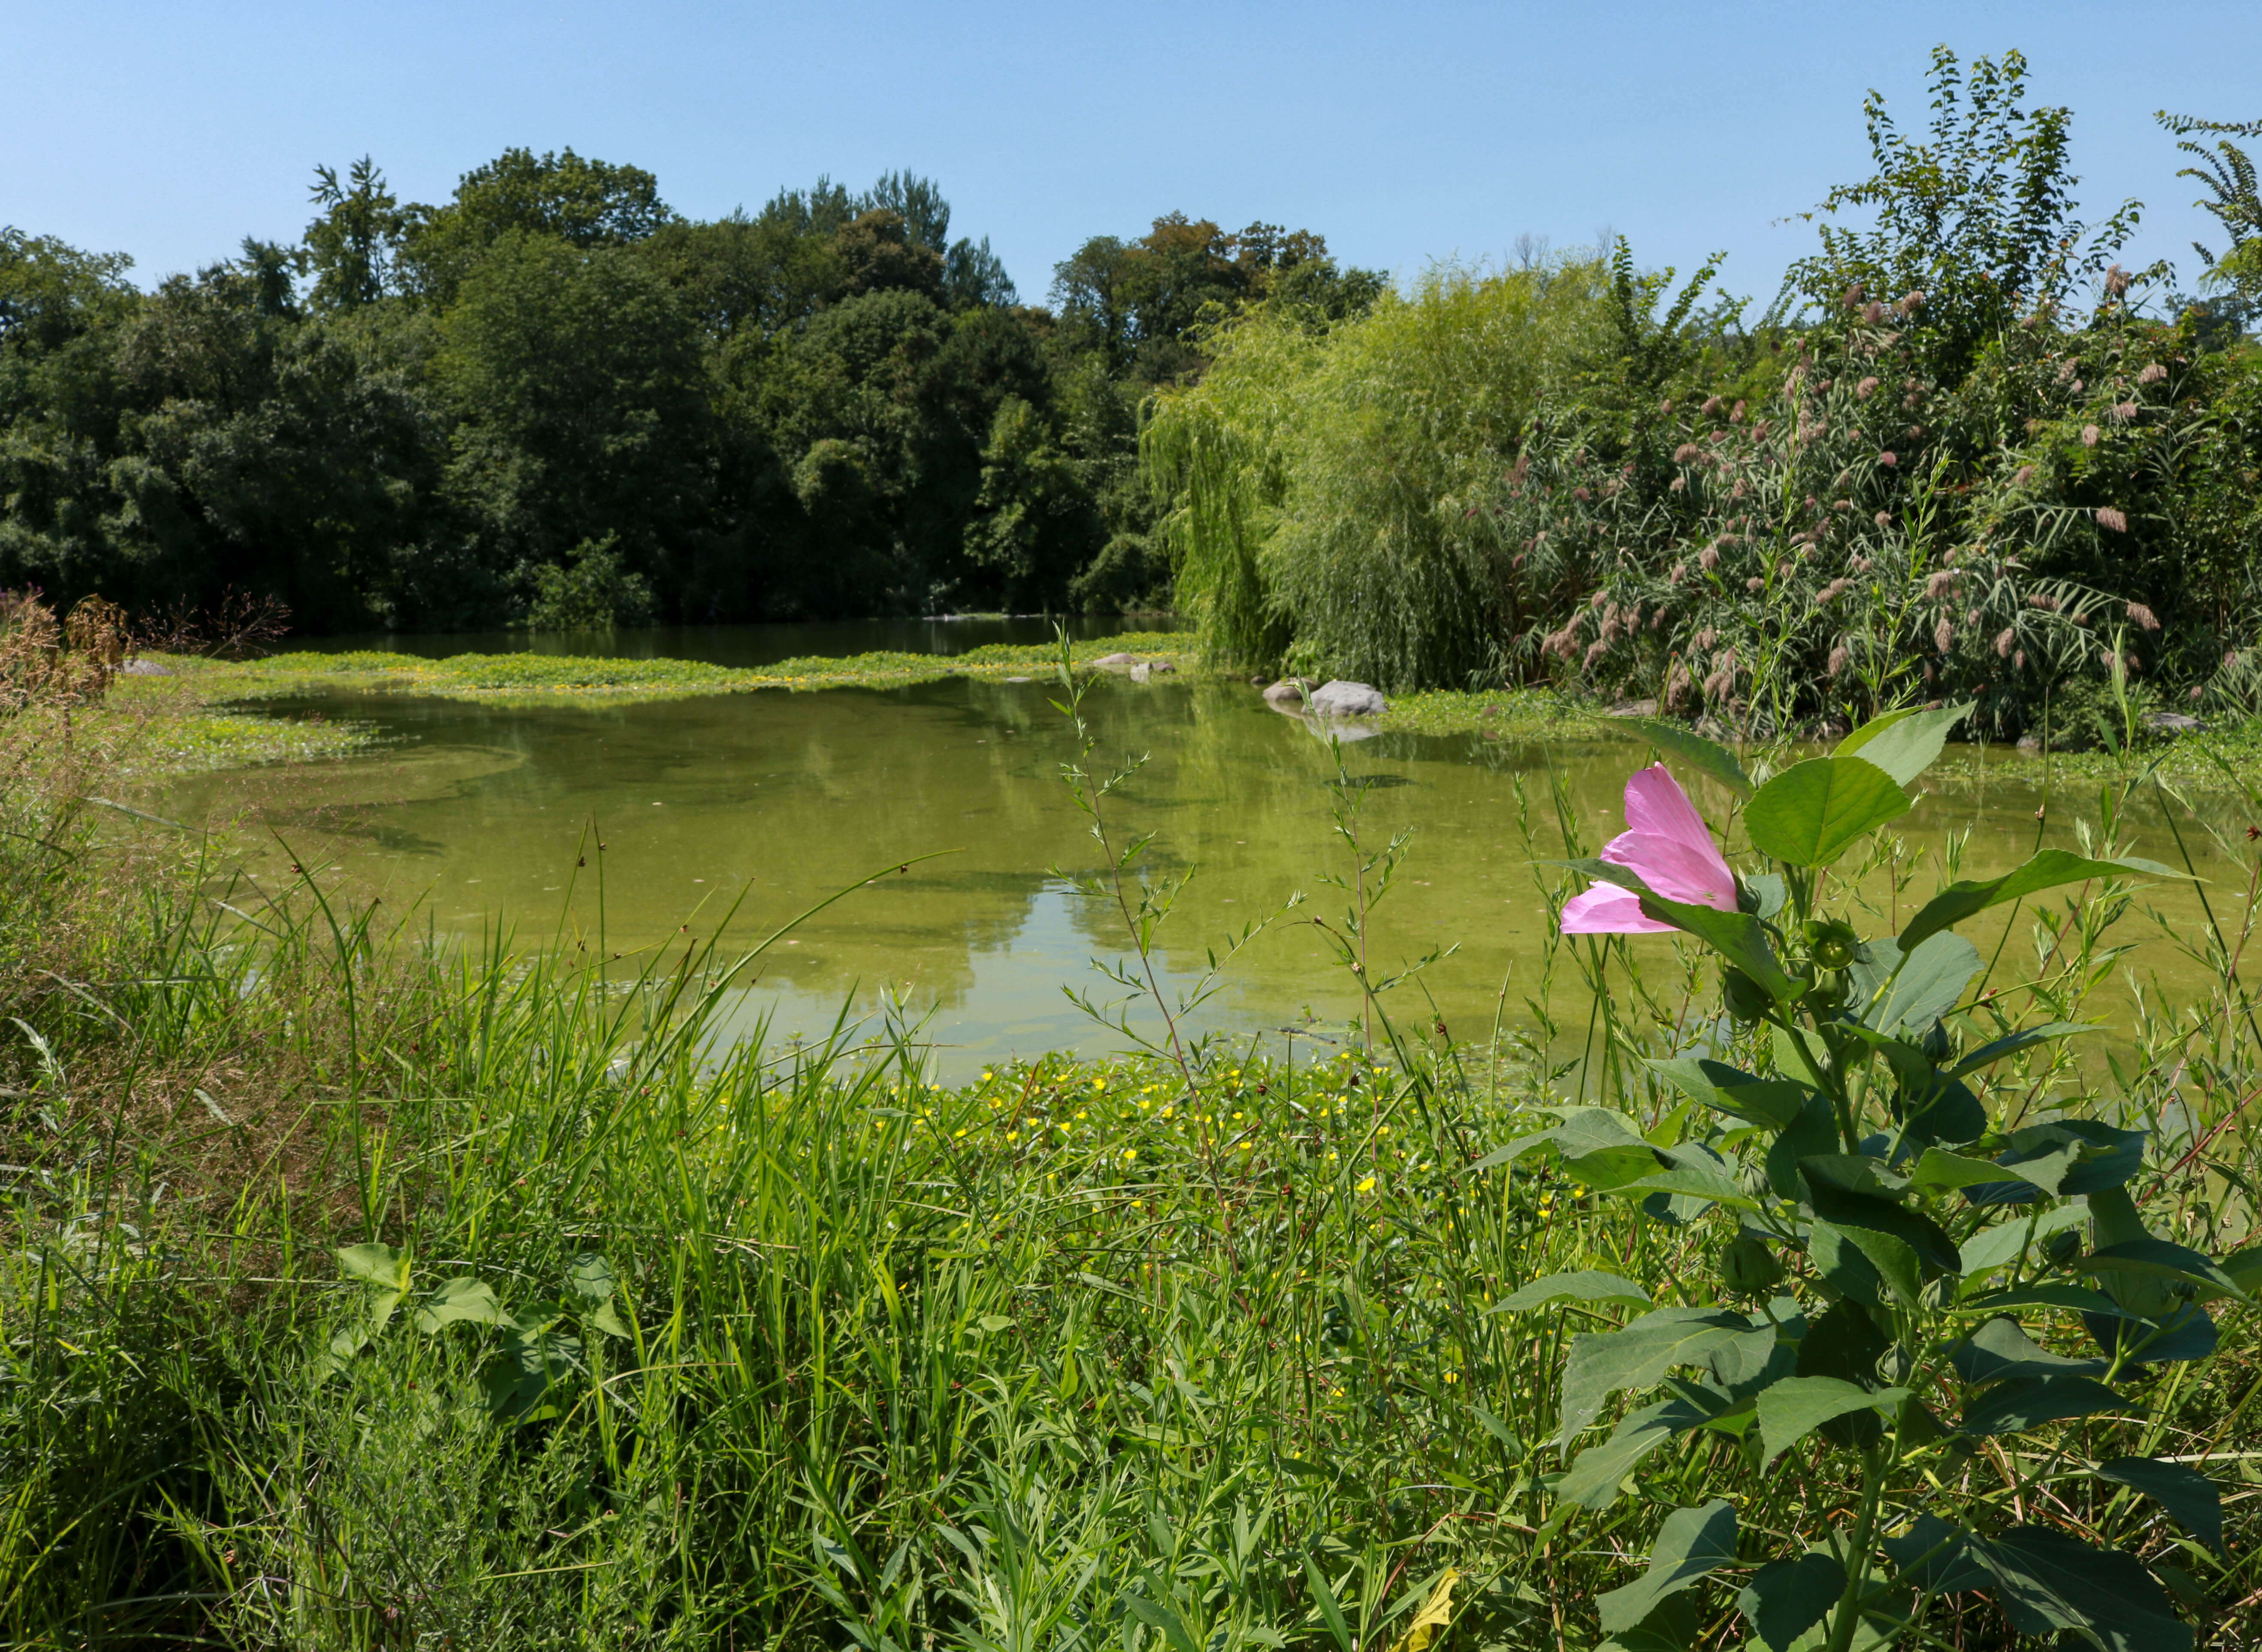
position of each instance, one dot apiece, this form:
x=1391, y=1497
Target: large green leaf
x=1934, y=1251
x=2045, y=1580
x=1906, y=743
x=2048, y=870
x=376, y=1265
x=2161, y=1258
x=1588, y=1285
x=462, y=1299
x=1794, y=1408
x=1692, y=1181
x=2000, y=1349
x=1814, y=1131
x=2011, y=1043
x=1811, y=812
x=1787, y=1597
x=1934, y=1558
x=2031, y=1402
x=1597, y=1472
x=1691, y=1543
x=2007, y=1242
x=1715, y=762
x=1636, y=1357
x=1845, y=1343
x=1774, y=1102
x=2194, y=1500
x=1897, y=991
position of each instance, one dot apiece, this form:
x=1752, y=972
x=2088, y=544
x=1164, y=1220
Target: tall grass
x=359, y=1293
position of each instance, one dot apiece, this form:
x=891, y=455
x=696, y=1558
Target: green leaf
x=463, y=1298
x=1636, y=1357
x=1597, y=1472
x=1903, y=991
x=1691, y=1543
x=590, y=1277
x=1588, y=1285
x=2011, y=1044
x=1330, y=1609
x=1815, y=1132
x=2048, y=869
x=1787, y=1597
x=2000, y=1349
x=378, y=1265
x=1845, y=1343
x=2031, y=1402
x=1715, y=762
x=2160, y=1259
x=1773, y=1102
x=1794, y=1408
x=2194, y=1500
x=1905, y=743
x=1809, y=814
x=2007, y=1242
x=1930, y=1244
x=2045, y=1580
x=1856, y=1174
x=1934, y=1558
x=1938, y=1167
x=607, y=1317
x=1694, y=1182
x=2072, y=1298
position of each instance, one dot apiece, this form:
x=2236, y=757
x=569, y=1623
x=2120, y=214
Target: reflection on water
x=766, y=803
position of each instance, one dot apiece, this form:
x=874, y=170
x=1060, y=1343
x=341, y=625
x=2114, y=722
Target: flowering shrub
x=1898, y=1272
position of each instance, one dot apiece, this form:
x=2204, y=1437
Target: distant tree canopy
x=551, y=398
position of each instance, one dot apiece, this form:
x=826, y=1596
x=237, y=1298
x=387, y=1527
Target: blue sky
x=1403, y=133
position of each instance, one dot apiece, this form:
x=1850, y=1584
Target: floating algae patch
x=564, y=678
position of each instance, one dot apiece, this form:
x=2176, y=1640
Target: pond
x=760, y=805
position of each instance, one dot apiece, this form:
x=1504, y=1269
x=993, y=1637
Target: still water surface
x=475, y=816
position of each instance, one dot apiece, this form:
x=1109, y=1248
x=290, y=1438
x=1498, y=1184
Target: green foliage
x=1327, y=482
x=1979, y=219
x=1897, y=1255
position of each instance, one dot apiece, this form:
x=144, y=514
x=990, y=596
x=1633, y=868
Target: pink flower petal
x=1675, y=869
x=1607, y=909
x=1655, y=804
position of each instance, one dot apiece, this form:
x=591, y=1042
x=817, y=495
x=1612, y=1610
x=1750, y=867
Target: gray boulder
x=2172, y=723
x=1287, y=691
x=1348, y=699
x=145, y=669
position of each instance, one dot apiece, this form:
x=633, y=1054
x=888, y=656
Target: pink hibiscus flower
x=1666, y=847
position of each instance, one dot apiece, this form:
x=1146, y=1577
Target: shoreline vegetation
x=204, y=715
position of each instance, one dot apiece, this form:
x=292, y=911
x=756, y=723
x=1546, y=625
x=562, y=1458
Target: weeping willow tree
x=1335, y=490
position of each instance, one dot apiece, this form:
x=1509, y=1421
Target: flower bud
x=1747, y=1266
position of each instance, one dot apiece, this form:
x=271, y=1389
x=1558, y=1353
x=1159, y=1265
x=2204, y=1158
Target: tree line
x=552, y=399
x=1965, y=453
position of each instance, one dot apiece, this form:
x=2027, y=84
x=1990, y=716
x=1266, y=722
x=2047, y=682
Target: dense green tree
x=352, y=248
x=560, y=195
x=577, y=376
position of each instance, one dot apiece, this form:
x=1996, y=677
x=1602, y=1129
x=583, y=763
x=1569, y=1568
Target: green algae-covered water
x=474, y=816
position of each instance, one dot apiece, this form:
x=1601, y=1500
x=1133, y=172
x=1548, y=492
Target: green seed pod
x=1744, y=999
x=1747, y=1266
x=1831, y=943
x=1828, y=994
x=2061, y=1247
